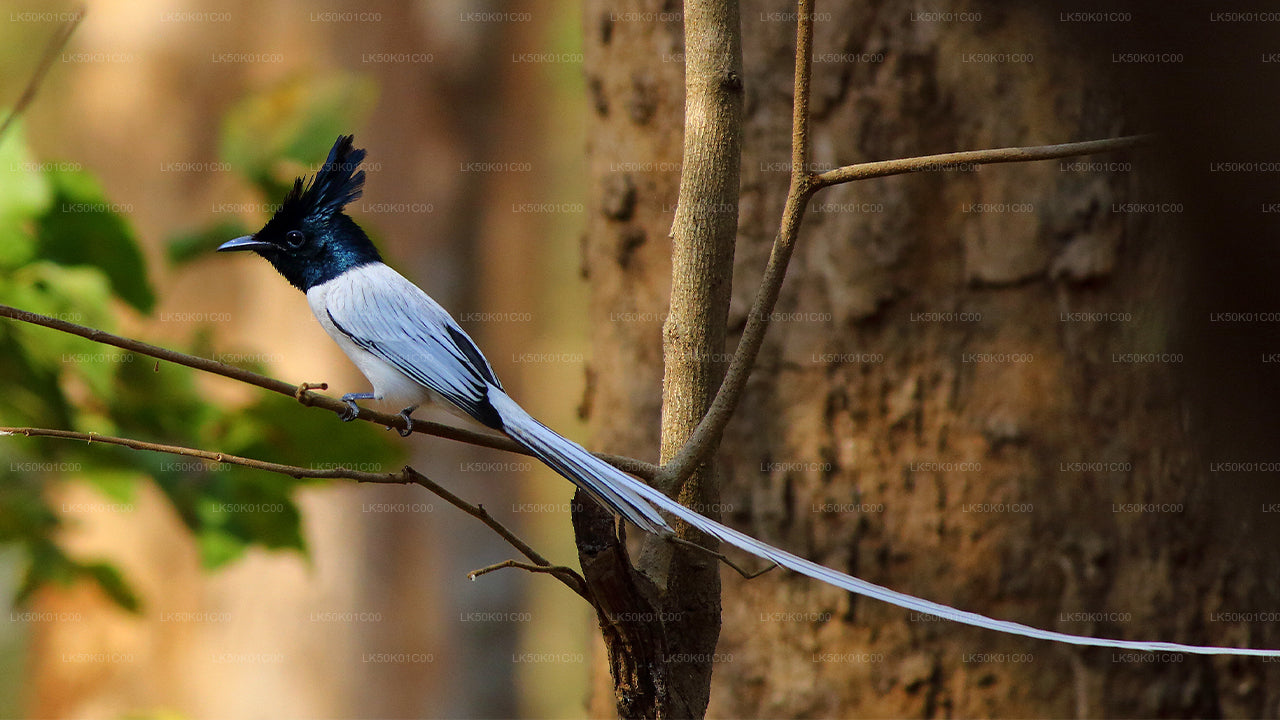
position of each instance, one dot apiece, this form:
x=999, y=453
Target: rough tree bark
x=984, y=387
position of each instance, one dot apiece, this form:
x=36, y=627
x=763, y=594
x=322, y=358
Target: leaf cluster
x=68, y=251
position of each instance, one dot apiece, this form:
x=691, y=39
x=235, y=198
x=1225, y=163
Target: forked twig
x=566, y=575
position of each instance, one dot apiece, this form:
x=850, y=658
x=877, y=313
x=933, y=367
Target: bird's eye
x=294, y=238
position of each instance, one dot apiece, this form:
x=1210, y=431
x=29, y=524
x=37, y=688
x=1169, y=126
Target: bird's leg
x=352, y=408
x=407, y=414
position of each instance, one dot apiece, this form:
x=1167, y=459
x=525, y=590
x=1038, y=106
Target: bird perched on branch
x=413, y=353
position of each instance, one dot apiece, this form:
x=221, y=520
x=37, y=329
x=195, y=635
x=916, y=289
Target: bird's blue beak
x=244, y=243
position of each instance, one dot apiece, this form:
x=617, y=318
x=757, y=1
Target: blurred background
x=214, y=593
x=1121, y=484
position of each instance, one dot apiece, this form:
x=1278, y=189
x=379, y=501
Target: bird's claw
x=407, y=414
x=353, y=410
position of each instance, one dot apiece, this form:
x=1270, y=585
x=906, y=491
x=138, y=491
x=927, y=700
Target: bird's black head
x=309, y=239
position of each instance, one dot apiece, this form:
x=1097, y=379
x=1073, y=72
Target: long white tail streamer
x=592, y=474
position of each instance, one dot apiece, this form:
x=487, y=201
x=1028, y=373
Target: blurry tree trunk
x=988, y=387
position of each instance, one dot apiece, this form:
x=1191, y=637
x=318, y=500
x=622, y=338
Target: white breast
x=389, y=383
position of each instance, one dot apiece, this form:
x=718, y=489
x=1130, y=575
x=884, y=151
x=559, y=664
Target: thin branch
x=292, y=471
x=706, y=436
x=478, y=512
x=800, y=98
x=747, y=574
x=885, y=168
x=406, y=476
x=567, y=575
x=56, y=43
x=302, y=392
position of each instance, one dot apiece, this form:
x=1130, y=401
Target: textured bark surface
x=957, y=397
x=627, y=605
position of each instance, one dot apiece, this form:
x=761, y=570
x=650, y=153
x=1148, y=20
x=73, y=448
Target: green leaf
x=16, y=243
x=24, y=194
x=83, y=228
x=295, y=120
x=217, y=548
x=119, y=486
x=229, y=507
x=232, y=507
x=27, y=515
x=24, y=191
x=188, y=246
x=32, y=395
x=77, y=295
x=113, y=584
x=50, y=565
x=159, y=400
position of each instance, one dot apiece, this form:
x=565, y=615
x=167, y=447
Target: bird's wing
x=392, y=318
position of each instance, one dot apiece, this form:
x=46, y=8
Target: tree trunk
x=985, y=387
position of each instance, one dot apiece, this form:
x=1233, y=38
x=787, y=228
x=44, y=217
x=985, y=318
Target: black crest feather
x=335, y=185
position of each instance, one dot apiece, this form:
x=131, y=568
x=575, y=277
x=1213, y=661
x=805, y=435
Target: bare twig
x=290, y=470
x=749, y=575
x=301, y=392
x=707, y=434
x=406, y=476
x=567, y=575
x=804, y=184
x=56, y=43
x=885, y=168
x=478, y=512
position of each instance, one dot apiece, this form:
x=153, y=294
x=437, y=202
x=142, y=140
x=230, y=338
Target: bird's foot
x=407, y=414
x=352, y=408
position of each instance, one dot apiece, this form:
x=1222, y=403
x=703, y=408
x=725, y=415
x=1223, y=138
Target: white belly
x=389, y=384
x=395, y=390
